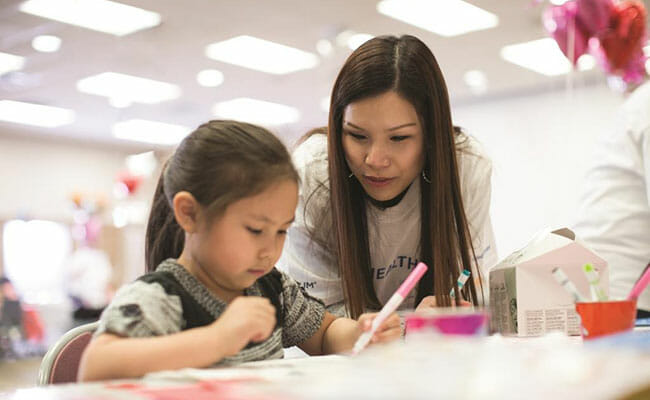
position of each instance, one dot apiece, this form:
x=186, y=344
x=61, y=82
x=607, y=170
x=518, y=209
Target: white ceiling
x=174, y=52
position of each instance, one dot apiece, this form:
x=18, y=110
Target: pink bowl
x=472, y=323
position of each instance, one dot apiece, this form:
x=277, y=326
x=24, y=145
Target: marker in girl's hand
x=462, y=279
x=391, y=305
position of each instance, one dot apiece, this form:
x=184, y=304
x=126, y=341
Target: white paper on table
x=267, y=370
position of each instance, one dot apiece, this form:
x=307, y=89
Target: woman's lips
x=377, y=181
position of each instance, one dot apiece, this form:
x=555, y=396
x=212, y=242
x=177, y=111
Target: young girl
x=221, y=210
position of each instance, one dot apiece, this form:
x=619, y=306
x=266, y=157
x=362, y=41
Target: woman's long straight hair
x=406, y=66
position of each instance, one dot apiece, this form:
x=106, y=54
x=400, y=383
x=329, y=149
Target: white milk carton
x=525, y=299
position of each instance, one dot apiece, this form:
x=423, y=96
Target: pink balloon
x=634, y=72
x=626, y=35
x=561, y=22
x=594, y=15
x=598, y=52
x=619, y=49
x=613, y=32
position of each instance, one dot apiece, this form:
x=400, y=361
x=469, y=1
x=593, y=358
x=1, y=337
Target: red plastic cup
x=606, y=317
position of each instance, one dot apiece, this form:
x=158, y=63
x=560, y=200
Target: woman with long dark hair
x=388, y=183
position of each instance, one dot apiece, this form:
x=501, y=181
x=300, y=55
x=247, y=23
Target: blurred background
x=95, y=94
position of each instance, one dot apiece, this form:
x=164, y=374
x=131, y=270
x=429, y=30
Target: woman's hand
x=429, y=303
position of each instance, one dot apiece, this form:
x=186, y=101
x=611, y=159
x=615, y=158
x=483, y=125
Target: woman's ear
x=186, y=211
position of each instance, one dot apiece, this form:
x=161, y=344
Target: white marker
x=563, y=280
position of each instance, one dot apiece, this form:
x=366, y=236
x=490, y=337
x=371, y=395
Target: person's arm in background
x=633, y=118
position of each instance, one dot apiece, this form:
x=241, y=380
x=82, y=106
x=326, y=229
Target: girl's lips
x=376, y=181
x=257, y=272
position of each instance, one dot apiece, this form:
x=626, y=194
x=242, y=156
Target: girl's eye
x=282, y=232
x=399, y=138
x=254, y=231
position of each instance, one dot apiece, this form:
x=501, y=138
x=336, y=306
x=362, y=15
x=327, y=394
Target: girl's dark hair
x=406, y=66
x=219, y=163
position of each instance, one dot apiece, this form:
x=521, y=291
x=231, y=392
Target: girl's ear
x=186, y=211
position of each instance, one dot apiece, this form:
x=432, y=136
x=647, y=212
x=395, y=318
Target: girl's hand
x=429, y=302
x=388, y=331
x=246, y=319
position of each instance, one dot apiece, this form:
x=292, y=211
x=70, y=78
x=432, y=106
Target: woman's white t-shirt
x=393, y=233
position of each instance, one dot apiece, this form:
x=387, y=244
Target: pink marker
x=641, y=284
x=390, y=306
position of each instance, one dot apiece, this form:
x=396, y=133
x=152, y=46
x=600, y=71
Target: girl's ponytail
x=164, y=238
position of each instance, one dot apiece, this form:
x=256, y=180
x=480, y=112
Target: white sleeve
x=636, y=119
x=311, y=266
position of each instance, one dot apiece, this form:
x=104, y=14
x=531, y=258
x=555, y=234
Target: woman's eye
x=282, y=232
x=254, y=231
x=356, y=136
x=399, y=138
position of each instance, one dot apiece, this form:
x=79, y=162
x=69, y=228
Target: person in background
x=11, y=319
x=614, y=213
x=88, y=273
x=21, y=328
